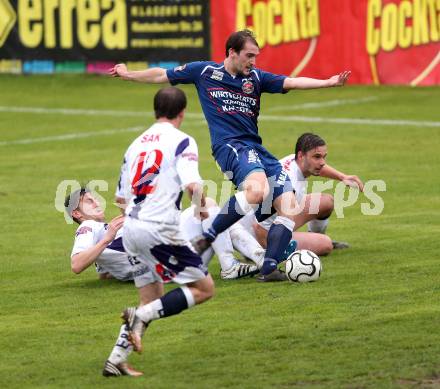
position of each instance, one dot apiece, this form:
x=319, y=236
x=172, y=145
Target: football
x=303, y=266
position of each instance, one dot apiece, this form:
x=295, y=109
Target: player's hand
x=353, y=182
x=118, y=70
x=200, y=214
x=340, y=79
x=113, y=227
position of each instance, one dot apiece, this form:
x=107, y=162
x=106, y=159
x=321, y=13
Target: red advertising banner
x=380, y=41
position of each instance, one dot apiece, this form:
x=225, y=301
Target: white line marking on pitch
x=323, y=104
x=79, y=135
x=73, y=111
x=283, y=118
x=370, y=122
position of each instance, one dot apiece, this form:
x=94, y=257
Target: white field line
x=77, y=135
x=198, y=117
x=369, y=122
x=73, y=111
x=91, y=112
x=323, y=104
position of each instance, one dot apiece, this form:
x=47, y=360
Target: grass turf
x=370, y=322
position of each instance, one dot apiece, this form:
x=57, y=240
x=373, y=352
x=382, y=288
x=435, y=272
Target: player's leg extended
x=222, y=245
x=325, y=204
x=116, y=363
x=320, y=244
x=245, y=243
x=240, y=161
x=315, y=208
x=255, y=189
x=172, y=303
x=280, y=232
x=177, y=300
x=184, y=267
x=231, y=268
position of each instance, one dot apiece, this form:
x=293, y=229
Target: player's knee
x=209, y=288
x=203, y=290
x=327, y=205
x=255, y=196
x=256, y=190
x=326, y=245
x=76, y=269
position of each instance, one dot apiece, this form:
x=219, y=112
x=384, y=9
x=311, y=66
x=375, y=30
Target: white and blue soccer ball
x=303, y=266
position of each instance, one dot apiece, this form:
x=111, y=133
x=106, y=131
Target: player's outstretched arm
x=84, y=259
x=313, y=83
x=149, y=76
x=349, y=180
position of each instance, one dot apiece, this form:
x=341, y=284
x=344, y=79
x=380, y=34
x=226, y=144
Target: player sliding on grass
x=229, y=94
x=101, y=243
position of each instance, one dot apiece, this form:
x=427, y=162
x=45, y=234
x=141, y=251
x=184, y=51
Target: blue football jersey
x=231, y=104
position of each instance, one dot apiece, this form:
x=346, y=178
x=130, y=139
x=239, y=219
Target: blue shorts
x=238, y=159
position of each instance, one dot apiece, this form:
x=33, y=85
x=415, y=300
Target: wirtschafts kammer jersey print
x=231, y=104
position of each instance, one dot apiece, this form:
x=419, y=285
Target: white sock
x=149, y=312
x=206, y=257
x=188, y=295
x=122, y=348
x=286, y=222
x=222, y=245
x=246, y=244
x=319, y=226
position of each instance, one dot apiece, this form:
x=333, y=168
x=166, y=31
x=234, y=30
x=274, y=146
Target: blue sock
x=228, y=215
x=173, y=303
x=278, y=238
x=262, y=216
x=269, y=265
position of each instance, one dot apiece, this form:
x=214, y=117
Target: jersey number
x=146, y=171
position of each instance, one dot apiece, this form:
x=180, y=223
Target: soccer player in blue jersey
x=229, y=94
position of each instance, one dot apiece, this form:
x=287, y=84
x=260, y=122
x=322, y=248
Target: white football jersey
x=113, y=259
x=157, y=167
x=299, y=183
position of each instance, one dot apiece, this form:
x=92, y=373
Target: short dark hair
x=169, y=102
x=237, y=40
x=72, y=201
x=307, y=142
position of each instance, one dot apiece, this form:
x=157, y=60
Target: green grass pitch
x=371, y=321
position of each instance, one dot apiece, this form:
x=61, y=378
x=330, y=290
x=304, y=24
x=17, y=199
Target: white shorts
x=142, y=275
x=163, y=249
